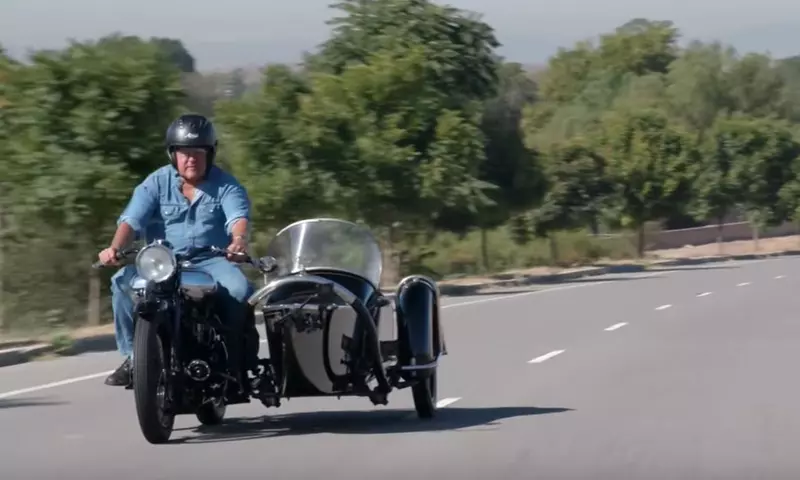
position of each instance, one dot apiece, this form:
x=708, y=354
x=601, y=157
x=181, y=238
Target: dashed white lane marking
x=447, y=401
x=616, y=326
x=14, y=393
x=546, y=356
x=743, y=284
x=663, y=307
x=704, y=294
x=779, y=277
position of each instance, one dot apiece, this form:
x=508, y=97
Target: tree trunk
x=797, y=228
x=640, y=240
x=485, y=249
x=754, y=226
x=554, y=254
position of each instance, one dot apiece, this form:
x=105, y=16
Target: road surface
x=678, y=373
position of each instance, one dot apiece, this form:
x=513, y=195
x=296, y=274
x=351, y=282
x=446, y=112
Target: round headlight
x=155, y=263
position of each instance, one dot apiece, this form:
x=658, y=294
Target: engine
x=204, y=352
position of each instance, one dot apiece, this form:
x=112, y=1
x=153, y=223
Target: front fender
x=418, y=319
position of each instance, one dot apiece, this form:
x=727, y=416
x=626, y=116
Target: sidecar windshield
x=330, y=244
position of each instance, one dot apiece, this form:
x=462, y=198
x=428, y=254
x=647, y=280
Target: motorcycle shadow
x=375, y=422
x=32, y=402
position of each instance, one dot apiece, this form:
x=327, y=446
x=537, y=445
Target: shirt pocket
x=172, y=213
x=211, y=214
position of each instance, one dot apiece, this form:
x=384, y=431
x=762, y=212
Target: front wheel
x=213, y=412
x=150, y=384
x=425, y=395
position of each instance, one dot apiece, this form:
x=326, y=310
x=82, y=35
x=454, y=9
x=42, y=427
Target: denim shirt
x=158, y=209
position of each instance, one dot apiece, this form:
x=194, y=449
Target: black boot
x=122, y=376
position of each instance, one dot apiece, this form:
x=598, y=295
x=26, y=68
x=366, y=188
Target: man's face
x=191, y=162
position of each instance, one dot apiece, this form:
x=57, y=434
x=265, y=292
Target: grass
x=448, y=255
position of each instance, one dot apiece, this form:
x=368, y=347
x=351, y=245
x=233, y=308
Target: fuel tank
x=195, y=284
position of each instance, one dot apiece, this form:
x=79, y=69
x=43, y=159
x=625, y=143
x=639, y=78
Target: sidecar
x=323, y=314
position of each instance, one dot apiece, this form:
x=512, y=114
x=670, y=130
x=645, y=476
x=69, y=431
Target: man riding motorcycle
x=191, y=203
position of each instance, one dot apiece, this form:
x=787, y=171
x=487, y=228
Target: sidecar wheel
x=425, y=396
x=150, y=384
x=212, y=413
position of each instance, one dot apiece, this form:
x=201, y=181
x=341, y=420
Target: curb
x=16, y=355
x=22, y=351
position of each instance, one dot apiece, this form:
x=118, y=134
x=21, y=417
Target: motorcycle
x=321, y=308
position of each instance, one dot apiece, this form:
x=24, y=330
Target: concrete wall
x=665, y=239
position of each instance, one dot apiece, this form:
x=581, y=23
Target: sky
x=248, y=33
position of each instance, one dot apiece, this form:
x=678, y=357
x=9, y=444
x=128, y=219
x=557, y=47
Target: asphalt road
x=681, y=373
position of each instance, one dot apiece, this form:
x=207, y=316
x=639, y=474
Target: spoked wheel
x=213, y=412
x=425, y=396
x=150, y=384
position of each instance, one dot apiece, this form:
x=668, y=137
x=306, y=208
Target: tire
x=425, y=396
x=425, y=392
x=149, y=383
x=212, y=413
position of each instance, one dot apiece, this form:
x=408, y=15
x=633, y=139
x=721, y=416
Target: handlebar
x=216, y=251
x=120, y=255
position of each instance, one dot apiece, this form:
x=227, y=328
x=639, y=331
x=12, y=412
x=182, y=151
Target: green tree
x=583, y=83
x=176, y=52
x=268, y=146
x=649, y=159
x=757, y=86
x=400, y=149
x=458, y=46
x=403, y=85
x=6, y=65
x=578, y=189
x=717, y=188
x=509, y=165
x=763, y=151
x=84, y=124
x=700, y=85
x=640, y=46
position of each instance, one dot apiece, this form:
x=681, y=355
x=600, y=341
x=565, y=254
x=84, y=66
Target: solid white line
x=513, y=295
x=663, y=307
x=547, y=356
x=54, y=384
x=704, y=294
x=743, y=284
x=614, y=327
x=447, y=401
x=545, y=290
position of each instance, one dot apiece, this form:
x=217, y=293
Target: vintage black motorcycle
x=321, y=308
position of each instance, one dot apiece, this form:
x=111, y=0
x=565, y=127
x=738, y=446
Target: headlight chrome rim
x=158, y=274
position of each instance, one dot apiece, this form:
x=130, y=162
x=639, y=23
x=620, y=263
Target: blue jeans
x=233, y=290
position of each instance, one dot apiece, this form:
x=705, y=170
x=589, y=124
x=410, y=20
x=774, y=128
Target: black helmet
x=192, y=130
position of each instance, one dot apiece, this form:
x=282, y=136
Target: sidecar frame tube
x=362, y=315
